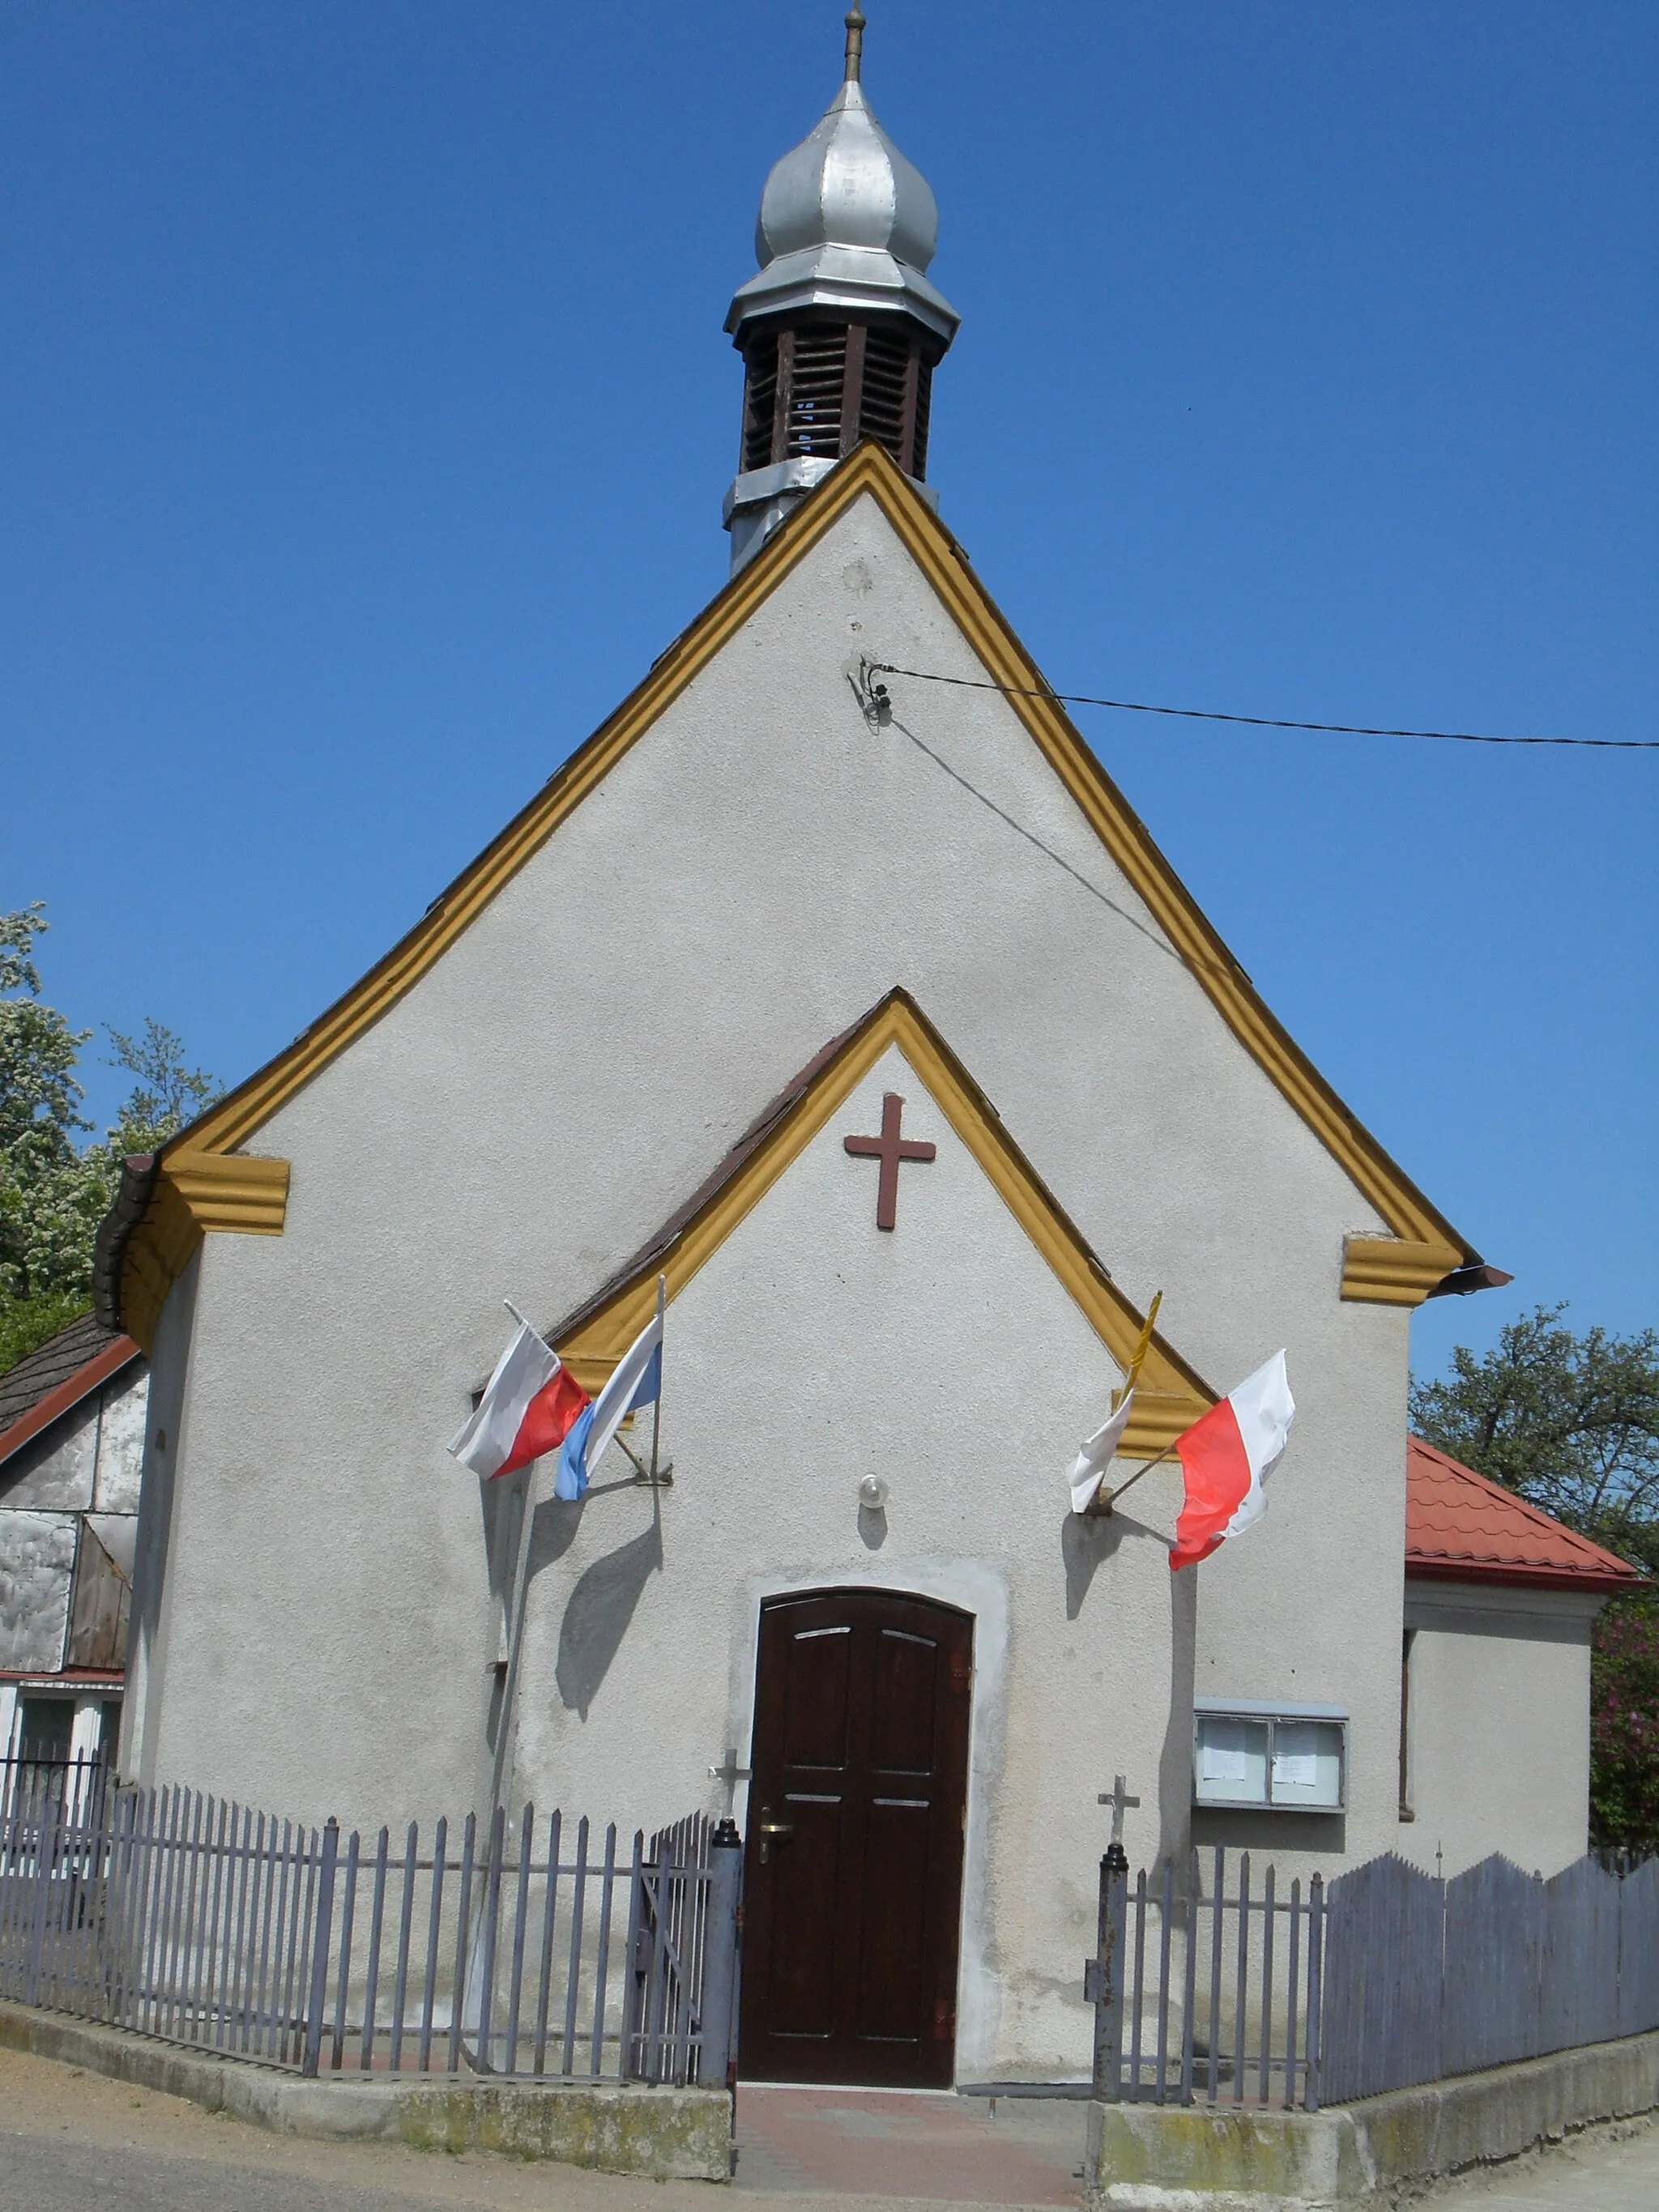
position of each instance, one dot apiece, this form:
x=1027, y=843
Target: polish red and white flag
x=1225, y=1459
x=530, y=1406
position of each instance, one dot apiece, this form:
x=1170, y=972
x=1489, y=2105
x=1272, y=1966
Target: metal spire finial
x=854, y=21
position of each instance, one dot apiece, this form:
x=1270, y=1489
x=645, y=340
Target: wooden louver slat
x=812, y=422
x=923, y=410
x=889, y=365
x=760, y=400
x=813, y=391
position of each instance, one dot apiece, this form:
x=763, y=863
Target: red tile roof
x=1461, y=1527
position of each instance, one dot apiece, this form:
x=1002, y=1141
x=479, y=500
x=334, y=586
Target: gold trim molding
x=248, y=1197
x=1171, y=1395
x=1387, y=1271
x=195, y=1192
x=868, y=473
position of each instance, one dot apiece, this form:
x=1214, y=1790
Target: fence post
x=46, y=1859
x=317, y=1997
x=1313, y=2029
x=717, y=2063
x=1102, y=1975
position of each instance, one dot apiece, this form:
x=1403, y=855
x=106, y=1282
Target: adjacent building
x=71, y=1452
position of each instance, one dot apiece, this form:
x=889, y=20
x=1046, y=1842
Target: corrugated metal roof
x=1461, y=1528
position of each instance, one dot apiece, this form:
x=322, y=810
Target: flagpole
x=1101, y=1503
x=1111, y=1497
x=1142, y=1342
x=656, y=1411
x=516, y=1638
x=504, y=1717
x=518, y=1603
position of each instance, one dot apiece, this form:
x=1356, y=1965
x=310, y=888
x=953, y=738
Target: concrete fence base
x=664, y=2134
x=1152, y=2158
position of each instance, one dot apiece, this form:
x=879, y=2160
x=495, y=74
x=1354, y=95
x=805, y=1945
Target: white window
x=1286, y=1757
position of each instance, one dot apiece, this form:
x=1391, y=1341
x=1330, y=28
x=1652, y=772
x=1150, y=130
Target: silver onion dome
x=846, y=222
x=847, y=185
x=840, y=329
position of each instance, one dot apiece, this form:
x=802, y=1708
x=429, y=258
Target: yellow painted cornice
x=1171, y=1397
x=249, y=1196
x=1421, y=1236
x=1386, y=1271
x=195, y=1193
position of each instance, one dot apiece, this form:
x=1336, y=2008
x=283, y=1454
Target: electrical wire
x=1032, y=838
x=1253, y=721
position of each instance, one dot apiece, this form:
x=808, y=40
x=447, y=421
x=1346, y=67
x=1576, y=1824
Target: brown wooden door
x=850, y=1913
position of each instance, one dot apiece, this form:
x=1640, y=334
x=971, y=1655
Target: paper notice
x=1223, y=1757
x=1296, y=1758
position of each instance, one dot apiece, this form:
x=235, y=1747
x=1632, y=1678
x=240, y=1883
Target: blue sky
x=365, y=413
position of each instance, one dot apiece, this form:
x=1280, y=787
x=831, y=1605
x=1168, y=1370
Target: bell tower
x=840, y=331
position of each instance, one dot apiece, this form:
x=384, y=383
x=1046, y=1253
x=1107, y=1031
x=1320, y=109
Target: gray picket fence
x=529, y=1948
x=1207, y=1990
x=1426, y=1977
x=1216, y=1983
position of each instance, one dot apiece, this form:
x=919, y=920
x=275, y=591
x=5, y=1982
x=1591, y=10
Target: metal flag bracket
x=1101, y=1503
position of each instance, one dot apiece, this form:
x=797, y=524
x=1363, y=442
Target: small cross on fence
x=731, y=1774
x=1102, y=1975
x=1121, y=1801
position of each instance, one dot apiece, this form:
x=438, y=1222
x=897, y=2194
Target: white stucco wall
x=756, y=873
x=1498, y=1727
x=814, y=1350
x=172, y=1373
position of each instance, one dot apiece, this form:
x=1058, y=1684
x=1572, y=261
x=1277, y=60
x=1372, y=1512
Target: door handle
x=769, y=1829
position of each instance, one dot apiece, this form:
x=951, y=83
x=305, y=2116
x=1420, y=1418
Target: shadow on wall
x=599, y=1608
x=1321, y=1835
x=552, y=1532
x=1086, y=1543
x=1175, y=1766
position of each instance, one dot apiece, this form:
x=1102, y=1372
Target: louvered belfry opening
x=812, y=391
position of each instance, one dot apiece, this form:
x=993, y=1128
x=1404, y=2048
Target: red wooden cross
x=889, y=1148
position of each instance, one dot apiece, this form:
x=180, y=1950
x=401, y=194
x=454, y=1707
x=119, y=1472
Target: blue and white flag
x=637, y=1382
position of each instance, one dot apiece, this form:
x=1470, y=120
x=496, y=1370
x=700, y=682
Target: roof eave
x=67, y=1395
x=109, y=1252
x=1592, y=1582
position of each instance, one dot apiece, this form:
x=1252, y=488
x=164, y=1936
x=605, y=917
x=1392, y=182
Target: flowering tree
x=55, y=1187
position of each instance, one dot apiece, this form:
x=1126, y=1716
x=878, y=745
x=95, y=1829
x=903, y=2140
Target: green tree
x=1624, y=1726
x=1571, y=1423
x=46, y=1195
x=54, y=1188
x=165, y=1095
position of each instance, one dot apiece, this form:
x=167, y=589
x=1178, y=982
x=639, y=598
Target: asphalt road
x=1609, y=2172
x=40, y=2172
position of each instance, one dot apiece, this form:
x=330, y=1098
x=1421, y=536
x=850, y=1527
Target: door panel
x=907, y=1691
x=890, y=1994
x=818, y=1710
x=854, y=1869
x=806, y=1877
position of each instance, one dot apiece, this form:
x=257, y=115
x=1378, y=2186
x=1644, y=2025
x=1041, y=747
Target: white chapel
x=917, y=915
